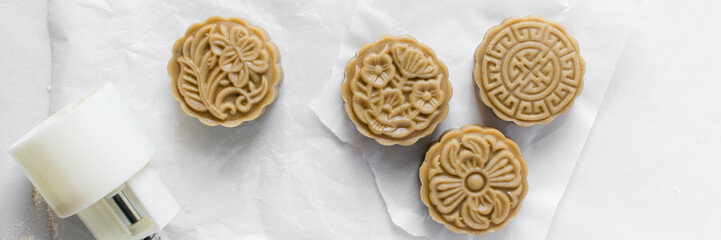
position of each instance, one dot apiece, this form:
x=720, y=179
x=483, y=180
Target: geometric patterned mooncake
x=529, y=70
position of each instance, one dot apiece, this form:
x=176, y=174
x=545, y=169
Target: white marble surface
x=24, y=102
x=650, y=166
x=647, y=170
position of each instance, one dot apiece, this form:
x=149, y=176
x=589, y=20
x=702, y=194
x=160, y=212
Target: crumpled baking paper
x=454, y=29
x=282, y=176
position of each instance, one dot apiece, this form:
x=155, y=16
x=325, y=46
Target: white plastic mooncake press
x=91, y=159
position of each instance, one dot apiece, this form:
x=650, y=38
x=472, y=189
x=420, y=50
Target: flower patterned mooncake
x=473, y=180
x=396, y=90
x=224, y=71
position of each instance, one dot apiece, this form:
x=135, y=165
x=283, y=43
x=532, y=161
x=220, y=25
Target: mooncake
x=224, y=71
x=473, y=180
x=529, y=70
x=396, y=90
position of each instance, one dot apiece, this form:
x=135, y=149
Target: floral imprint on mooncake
x=473, y=180
x=396, y=90
x=529, y=70
x=224, y=71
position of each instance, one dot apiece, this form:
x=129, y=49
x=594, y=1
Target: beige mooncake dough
x=224, y=71
x=473, y=180
x=396, y=90
x=529, y=70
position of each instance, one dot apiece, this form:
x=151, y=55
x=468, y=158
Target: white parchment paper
x=282, y=176
x=454, y=29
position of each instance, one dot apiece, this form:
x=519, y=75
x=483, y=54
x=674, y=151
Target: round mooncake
x=396, y=90
x=473, y=180
x=529, y=70
x=224, y=71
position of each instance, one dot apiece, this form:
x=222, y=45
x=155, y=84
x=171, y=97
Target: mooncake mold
x=473, y=180
x=529, y=70
x=224, y=71
x=396, y=90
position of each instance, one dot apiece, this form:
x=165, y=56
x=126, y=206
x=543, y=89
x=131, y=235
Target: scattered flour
x=41, y=205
